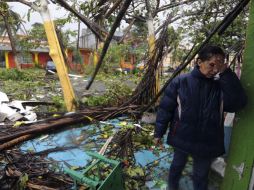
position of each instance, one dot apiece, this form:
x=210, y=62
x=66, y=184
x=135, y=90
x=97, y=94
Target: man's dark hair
x=210, y=50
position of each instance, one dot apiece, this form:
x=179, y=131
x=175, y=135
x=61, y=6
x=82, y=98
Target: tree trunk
x=151, y=42
x=12, y=40
x=50, y=125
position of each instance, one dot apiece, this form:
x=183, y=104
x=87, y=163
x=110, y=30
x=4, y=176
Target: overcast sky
x=55, y=13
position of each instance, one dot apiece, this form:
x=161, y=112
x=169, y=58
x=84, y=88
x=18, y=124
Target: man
x=194, y=103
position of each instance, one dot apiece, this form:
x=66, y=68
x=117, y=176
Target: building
x=37, y=56
x=88, y=41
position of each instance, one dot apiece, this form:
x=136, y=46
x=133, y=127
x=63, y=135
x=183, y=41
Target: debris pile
x=19, y=170
x=16, y=110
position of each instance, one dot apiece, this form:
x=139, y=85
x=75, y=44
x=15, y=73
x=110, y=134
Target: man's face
x=212, y=66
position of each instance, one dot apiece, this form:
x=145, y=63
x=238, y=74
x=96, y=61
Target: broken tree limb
x=49, y=125
x=52, y=150
x=15, y=141
x=172, y=4
x=16, y=136
x=127, y=30
x=109, y=38
x=232, y=15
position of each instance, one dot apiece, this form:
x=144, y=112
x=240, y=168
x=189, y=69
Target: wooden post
x=239, y=170
x=95, y=57
x=7, y=64
x=57, y=56
x=36, y=58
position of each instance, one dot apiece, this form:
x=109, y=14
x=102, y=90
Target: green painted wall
x=241, y=153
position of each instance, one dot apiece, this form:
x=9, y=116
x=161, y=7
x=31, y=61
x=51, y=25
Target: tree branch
x=108, y=40
x=95, y=28
x=171, y=5
x=127, y=31
x=116, y=4
x=29, y=4
x=170, y=20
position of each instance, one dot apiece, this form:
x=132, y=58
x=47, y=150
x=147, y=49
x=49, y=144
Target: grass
x=28, y=84
x=32, y=84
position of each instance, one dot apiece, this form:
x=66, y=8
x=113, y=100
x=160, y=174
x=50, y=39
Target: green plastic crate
x=91, y=176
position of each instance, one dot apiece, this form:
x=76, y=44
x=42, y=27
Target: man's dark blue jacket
x=194, y=106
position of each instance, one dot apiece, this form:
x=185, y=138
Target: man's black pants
x=201, y=168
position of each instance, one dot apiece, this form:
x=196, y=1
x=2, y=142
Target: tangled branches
x=31, y=171
x=146, y=91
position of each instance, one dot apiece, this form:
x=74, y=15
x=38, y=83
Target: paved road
x=98, y=87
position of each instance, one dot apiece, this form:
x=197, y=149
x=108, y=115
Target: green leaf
x=23, y=179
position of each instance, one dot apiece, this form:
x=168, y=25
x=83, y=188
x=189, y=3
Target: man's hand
x=222, y=67
x=157, y=141
x=158, y=145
